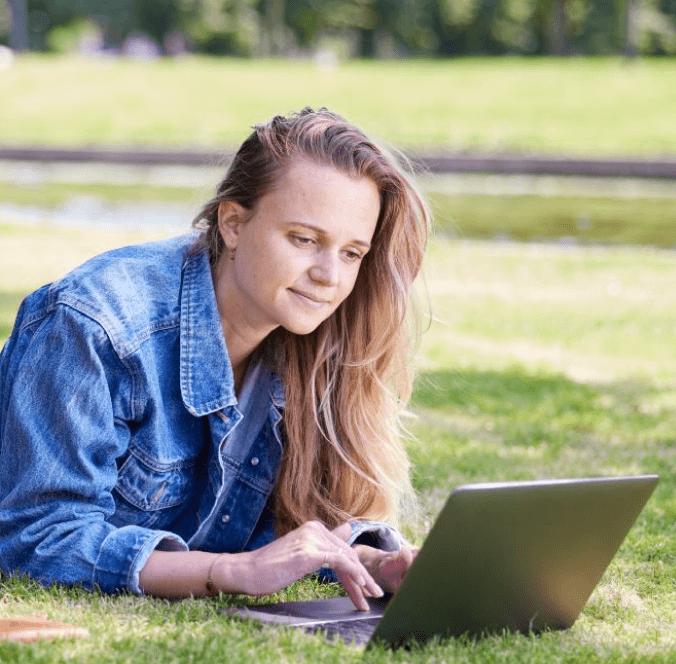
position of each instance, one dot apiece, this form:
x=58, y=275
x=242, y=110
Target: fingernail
x=374, y=590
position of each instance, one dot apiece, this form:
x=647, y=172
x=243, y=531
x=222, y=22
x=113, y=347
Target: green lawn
x=541, y=361
x=584, y=106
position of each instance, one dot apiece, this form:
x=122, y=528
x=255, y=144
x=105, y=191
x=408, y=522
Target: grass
x=50, y=253
x=591, y=313
x=542, y=361
x=579, y=106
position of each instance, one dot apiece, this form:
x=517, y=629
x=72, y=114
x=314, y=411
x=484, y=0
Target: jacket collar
x=207, y=383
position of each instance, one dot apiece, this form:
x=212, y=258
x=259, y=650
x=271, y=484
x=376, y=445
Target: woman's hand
x=361, y=569
x=289, y=558
x=388, y=568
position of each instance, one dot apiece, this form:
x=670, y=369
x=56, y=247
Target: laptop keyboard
x=351, y=631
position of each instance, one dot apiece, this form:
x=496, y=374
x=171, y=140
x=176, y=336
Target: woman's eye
x=302, y=240
x=353, y=255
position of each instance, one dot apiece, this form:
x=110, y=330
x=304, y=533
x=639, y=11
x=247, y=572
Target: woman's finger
x=308, y=548
x=393, y=567
x=407, y=556
x=345, y=560
x=354, y=591
x=337, y=545
x=354, y=577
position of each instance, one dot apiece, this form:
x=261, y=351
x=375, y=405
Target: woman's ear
x=230, y=216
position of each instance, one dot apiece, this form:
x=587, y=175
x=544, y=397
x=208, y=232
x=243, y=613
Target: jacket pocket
x=151, y=495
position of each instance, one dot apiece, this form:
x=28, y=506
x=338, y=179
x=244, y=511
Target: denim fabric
x=117, y=413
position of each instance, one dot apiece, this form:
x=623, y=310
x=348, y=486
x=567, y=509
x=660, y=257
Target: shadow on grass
x=475, y=426
x=500, y=425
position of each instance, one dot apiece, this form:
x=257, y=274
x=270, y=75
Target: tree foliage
x=368, y=28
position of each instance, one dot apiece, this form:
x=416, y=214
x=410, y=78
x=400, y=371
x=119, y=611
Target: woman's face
x=298, y=256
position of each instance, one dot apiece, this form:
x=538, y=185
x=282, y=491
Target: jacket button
x=225, y=518
x=255, y=461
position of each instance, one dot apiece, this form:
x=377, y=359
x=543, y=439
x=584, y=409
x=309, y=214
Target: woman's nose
x=325, y=269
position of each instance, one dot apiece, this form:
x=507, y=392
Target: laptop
x=516, y=556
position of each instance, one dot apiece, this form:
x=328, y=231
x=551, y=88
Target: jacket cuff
x=375, y=534
x=124, y=554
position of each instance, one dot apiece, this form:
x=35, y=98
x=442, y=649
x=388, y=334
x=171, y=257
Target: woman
x=215, y=413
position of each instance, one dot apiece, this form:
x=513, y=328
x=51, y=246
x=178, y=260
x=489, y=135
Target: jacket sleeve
x=61, y=431
x=375, y=534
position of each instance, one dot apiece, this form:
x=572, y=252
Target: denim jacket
x=117, y=403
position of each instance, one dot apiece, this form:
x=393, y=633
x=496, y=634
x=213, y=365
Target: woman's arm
x=58, y=445
x=177, y=574
x=263, y=571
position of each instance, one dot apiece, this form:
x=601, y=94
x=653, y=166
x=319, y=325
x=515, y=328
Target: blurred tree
x=379, y=17
x=273, y=35
x=80, y=35
x=414, y=26
x=310, y=19
x=626, y=11
x=556, y=28
x=156, y=18
x=117, y=18
x=493, y=27
x=373, y=28
x=222, y=26
x=514, y=26
x=18, y=36
x=4, y=21
x=657, y=27
x=597, y=28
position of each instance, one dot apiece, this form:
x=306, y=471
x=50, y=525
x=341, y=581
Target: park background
x=357, y=28
x=550, y=349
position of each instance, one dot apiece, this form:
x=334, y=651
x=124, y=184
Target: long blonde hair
x=347, y=381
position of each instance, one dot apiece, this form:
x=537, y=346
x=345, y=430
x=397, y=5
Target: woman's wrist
x=210, y=585
x=228, y=573
x=176, y=574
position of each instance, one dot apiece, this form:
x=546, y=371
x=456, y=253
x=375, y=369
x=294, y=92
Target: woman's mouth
x=308, y=299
